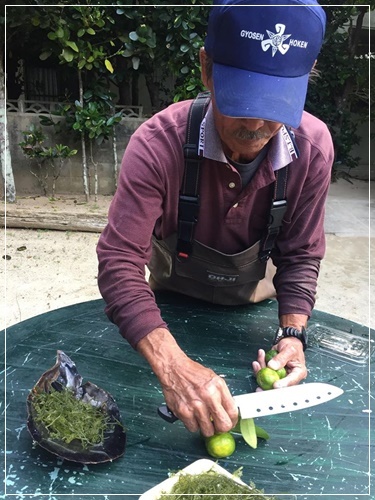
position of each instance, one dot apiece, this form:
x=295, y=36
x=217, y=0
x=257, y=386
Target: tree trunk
x=5, y=158
x=135, y=89
x=95, y=171
x=124, y=86
x=85, y=173
x=153, y=90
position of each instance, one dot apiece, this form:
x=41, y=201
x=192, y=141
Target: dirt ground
x=47, y=269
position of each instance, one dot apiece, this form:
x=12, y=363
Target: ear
x=206, y=80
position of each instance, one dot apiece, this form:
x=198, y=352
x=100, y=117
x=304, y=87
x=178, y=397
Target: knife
x=273, y=402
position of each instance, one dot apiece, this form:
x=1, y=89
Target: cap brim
x=245, y=94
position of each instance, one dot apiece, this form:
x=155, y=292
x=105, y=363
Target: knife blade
x=273, y=402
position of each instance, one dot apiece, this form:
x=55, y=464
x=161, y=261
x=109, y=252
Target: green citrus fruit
x=266, y=377
x=281, y=373
x=271, y=354
x=220, y=445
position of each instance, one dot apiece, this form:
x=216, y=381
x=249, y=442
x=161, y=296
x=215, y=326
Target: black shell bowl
x=62, y=375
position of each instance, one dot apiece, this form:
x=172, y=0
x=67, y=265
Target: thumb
x=277, y=362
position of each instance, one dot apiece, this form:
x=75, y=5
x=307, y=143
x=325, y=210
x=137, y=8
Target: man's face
x=243, y=138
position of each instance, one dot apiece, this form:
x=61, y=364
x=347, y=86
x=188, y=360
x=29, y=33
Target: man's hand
x=291, y=356
x=197, y=395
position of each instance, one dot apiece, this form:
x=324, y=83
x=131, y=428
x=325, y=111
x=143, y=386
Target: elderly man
x=232, y=214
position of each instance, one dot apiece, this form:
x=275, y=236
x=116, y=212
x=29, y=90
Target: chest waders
x=184, y=265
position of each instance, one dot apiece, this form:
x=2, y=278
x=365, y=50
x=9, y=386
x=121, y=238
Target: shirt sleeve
x=124, y=247
x=301, y=243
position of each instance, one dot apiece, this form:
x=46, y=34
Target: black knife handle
x=167, y=414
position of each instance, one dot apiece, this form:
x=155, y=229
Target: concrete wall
x=70, y=180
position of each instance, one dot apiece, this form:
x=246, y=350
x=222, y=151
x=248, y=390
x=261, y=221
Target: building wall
x=70, y=180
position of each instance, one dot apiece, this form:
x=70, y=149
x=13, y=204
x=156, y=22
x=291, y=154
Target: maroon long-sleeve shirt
x=231, y=217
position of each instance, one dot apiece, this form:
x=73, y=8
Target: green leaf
x=108, y=65
x=248, y=432
x=45, y=55
x=261, y=433
x=135, y=62
x=51, y=35
x=68, y=55
x=81, y=32
x=133, y=36
x=90, y=31
x=60, y=33
x=72, y=45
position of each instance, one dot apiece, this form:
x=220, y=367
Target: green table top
x=324, y=450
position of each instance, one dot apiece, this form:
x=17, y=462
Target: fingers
x=204, y=403
x=290, y=355
x=261, y=361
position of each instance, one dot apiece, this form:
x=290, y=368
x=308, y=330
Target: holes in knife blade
x=282, y=406
x=329, y=393
x=307, y=401
x=259, y=410
x=295, y=403
x=318, y=397
x=270, y=408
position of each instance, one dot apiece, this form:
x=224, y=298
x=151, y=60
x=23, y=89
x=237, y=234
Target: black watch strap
x=290, y=331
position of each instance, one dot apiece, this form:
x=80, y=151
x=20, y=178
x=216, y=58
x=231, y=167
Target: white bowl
x=197, y=467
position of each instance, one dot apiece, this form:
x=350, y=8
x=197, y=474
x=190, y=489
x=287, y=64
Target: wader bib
x=184, y=265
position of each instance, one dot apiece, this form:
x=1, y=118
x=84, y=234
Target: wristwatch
x=290, y=331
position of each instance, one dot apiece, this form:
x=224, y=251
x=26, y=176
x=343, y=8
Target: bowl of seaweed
x=204, y=480
x=75, y=421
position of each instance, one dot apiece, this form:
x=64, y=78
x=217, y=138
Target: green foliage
x=340, y=95
x=77, y=35
x=34, y=149
x=116, y=42
x=95, y=118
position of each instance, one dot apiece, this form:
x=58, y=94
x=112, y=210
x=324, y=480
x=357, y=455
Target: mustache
x=244, y=134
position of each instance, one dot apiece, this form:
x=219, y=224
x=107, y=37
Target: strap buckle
x=188, y=208
x=277, y=213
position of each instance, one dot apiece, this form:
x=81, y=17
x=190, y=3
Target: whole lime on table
x=220, y=445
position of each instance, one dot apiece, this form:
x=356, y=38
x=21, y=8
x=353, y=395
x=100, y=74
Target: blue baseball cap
x=263, y=53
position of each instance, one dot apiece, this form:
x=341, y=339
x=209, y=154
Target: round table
x=323, y=450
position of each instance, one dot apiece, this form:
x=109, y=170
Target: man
x=256, y=65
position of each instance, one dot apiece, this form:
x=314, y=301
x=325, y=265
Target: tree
x=340, y=96
x=80, y=37
x=5, y=157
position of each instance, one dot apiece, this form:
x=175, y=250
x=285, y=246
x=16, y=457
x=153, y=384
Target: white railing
x=46, y=107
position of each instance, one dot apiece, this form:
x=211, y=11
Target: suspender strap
x=277, y=213
x=188, y=205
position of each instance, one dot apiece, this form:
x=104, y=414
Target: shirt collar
x=283, y=149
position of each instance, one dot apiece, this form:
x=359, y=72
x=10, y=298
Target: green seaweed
x=67, y=418
x=201, y=486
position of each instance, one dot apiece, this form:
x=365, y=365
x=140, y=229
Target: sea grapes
x=67, y=418
x=200, y=486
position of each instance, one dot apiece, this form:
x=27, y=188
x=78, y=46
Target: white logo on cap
x=276, y=40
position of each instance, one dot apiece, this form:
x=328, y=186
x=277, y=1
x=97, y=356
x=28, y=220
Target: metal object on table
x=263, y=403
